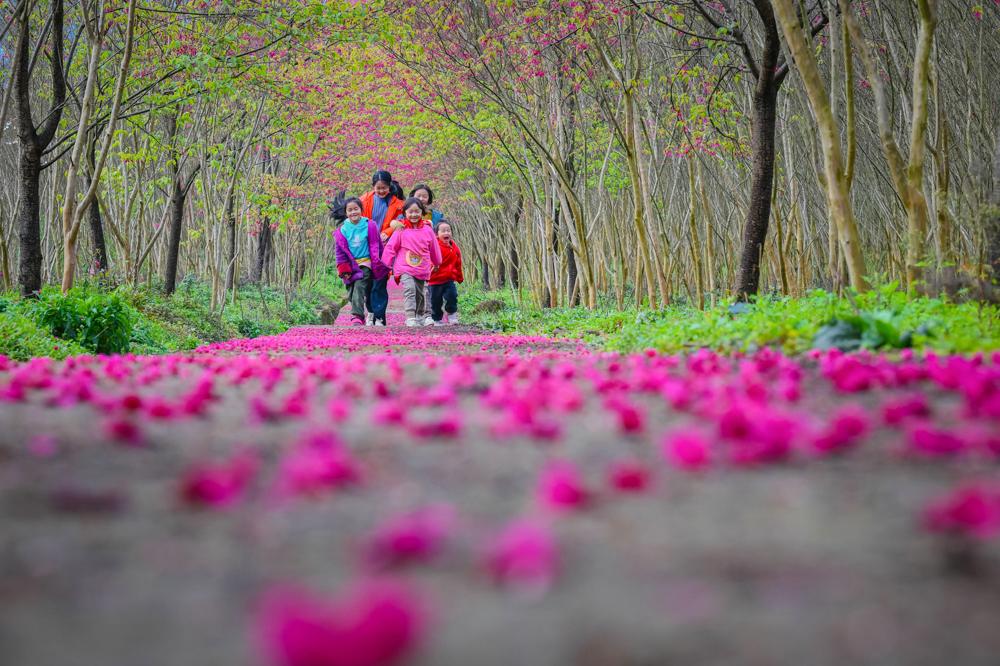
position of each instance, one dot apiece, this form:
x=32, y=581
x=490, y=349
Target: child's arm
x=459, y=276
x=391, y=248
x=343, y=261
x=435, y=248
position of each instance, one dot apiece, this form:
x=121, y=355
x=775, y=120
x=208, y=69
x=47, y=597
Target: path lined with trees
x=649, y=151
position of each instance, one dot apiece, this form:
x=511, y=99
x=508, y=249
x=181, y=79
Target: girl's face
x=414, y=214
x=381, y=189
x=424, y=196
x=353, y=211
x=444, y=232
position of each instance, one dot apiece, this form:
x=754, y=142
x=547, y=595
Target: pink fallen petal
x=123, y=431
x=338, y=410
x=688, y=450
x=160, y=410
x=898, y=410
x=445, y=427
x=631, y=420
x=43, y=446
x=844, y=431
x=524, y=555
x=376, y=623
x=388, y=412
x=415, y=537
x=628, y=476
x=972, y=510
x=561, y=486
x=309, y=470
x=929, y=441
x=218, y=484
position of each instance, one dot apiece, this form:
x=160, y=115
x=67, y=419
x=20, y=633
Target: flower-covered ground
x=359, y=496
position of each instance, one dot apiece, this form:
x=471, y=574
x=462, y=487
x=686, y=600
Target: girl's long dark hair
x=383, y=176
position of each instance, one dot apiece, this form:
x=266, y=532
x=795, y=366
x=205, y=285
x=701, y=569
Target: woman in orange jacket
x=380, y=205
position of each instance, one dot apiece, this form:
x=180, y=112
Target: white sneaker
x=439, y=323
x=453, y=318
x=380, y=323
x=412, y=322
x=370, y=319
x=428, y=321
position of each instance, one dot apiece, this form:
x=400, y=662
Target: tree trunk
x=263, y=249
x=230, y=218
x=174, y=239
x=992, y=218
x=837, y=191
x=572, y=275
x=515, y=266
x=32, y=142
x=763, y=118
x=29, y=269
x=96, y=228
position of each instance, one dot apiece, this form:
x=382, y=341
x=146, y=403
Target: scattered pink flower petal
x=376, y=623
x=561, y=486
x=415, y=537
x=628, y=476
x=688, y=450
x=524, y=555
x=972, y=509
x=847, y=427
x=218, y=484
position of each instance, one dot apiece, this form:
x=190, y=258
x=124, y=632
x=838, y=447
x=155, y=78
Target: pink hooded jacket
x=412, y=251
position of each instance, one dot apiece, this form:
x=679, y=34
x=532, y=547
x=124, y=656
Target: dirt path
x=150, y=506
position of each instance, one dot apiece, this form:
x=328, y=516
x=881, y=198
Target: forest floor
x=529, y=501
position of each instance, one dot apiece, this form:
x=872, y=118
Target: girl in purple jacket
x=411, y=254
x=359, y=251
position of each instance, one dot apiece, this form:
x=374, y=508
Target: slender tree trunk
x=32, y=142
x=762, y=124
x=837, y=190
x=992, y=218
x=94, y=217
x=29, y=270
x=174, y=237
x=230, y=218
x=263, y=248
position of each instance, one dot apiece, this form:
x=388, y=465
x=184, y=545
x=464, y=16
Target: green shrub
x=99, y=322
x=21, y=338
x=248, y=328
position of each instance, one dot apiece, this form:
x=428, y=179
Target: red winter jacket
x=451, y=264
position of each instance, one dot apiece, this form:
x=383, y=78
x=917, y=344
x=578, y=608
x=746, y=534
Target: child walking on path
x=443, y=281
x=411, y=254
x=359, y=250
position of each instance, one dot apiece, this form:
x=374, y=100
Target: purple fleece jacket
x=348, y=267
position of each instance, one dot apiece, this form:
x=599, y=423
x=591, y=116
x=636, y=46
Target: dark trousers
x=360, y=293
x=444, y=294
x=378, y=299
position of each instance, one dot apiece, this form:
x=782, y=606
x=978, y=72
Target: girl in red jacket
x=443, y=280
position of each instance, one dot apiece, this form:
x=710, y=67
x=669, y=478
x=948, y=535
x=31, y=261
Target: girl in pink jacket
x=411, y=254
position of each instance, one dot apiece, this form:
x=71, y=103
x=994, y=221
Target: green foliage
x=248, y=328
x=99, y=322
x=22, y=338
x=885, y=318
